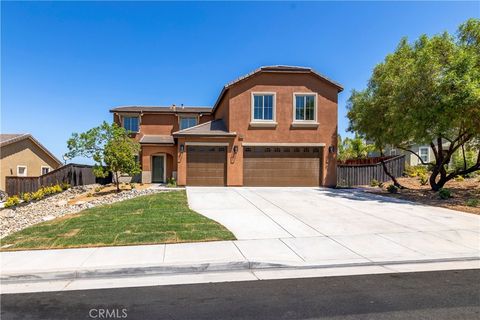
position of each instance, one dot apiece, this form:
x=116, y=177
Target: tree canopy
x=110, y=147
x=425, y=92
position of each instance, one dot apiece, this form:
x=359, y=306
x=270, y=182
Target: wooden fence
x=363, y=174
x=73, y=174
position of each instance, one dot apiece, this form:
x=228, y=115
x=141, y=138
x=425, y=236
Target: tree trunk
x=117, y=181
x=395, y=181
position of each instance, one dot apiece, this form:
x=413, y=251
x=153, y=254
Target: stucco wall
x=284, y=85
x=25, y=153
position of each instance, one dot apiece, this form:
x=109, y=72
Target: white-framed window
x=22, y=171
x=187, y=122
x=44, y=170
x=131, y=123
x=424, y=154
x=263, y=106
x=393, y=152
x=305, y=107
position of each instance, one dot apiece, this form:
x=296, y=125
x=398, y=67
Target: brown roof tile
x=157, y=139
x=162, y=109
x=211, y=128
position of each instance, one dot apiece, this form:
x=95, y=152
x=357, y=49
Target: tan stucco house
x=276, y=126
x=22, y=155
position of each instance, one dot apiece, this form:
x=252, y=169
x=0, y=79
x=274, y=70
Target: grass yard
x=160, y=218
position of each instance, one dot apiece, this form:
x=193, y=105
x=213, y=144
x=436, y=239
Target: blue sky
x=65, y=64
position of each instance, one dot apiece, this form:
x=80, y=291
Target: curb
x=103, y=273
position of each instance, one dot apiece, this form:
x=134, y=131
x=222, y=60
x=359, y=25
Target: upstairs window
x=263, y=106
x=22, y=171
x=187, y=122
x=45, y=170
x=131, y=123
x=305, y=106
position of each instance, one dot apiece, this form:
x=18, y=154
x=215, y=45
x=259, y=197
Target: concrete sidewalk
x=308, y=252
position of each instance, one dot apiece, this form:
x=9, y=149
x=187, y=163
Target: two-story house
x=276, y=126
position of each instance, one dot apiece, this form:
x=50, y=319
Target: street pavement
x=423, y=295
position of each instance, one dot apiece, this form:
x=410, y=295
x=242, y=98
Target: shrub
x=415, y=171
x=98, y=189
x=38, y=195
x=27, y=196
x=459, y=178
x=472, y=202
x=171, y=183
x=132, y=185
x=374, y=183
x=423, y=179
x=392, y=189
x=65, y=186
x=444, y=193
x=12, y=202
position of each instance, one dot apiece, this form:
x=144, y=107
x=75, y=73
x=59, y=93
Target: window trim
x=420, y=153
x=131, y=116
x=260, y=122
x=26, y=171
x=315, y=109
x=184, y=116
x=42, y=167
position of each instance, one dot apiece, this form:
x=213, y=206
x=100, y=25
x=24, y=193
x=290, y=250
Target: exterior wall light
x=182, y=148
x=235, y=149
x=331, y=149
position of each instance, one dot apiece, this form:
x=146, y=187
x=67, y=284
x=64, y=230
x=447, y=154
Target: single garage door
x=206, y=165
x=282, y=166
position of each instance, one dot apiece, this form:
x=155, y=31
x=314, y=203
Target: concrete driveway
x=325, y=224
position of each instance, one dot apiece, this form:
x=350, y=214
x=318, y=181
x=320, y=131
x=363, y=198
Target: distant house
x=424, y=151
x=22, y=155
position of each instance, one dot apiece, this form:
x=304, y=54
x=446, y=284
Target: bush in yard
x=444, y=193
x=111, y=147
x=392, y=189
x=171, y=183
x=65, y=186
x=374, y=183
x=12, y=202
x=27, y=196
x=473, y=202
x=416, y=171
x=423, y=179
x=38, y=195
x=459, y=179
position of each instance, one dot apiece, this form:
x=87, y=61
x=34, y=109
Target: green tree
x=353, y=148
x=425, y=92
x=110, y=147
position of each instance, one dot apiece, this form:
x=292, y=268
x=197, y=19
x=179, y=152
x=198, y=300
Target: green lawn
x=159, y=218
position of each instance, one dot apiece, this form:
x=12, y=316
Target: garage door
x=206, y=165
x=282, y=166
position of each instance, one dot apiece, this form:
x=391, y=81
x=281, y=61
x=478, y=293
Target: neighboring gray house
x=423, y=150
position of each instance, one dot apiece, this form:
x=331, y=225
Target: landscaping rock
x=57, y=206
x=61, y=203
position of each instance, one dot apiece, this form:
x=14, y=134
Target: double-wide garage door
x=206, y=165
x=282, y=166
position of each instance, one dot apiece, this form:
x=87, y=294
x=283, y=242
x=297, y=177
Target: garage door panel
x=206, y=166
x=273, y=166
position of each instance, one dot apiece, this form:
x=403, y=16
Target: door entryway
x=158, y=169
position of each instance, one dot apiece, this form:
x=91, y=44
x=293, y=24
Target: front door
x=158, y=169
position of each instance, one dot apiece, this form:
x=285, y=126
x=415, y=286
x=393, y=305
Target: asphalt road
x=423, y=295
